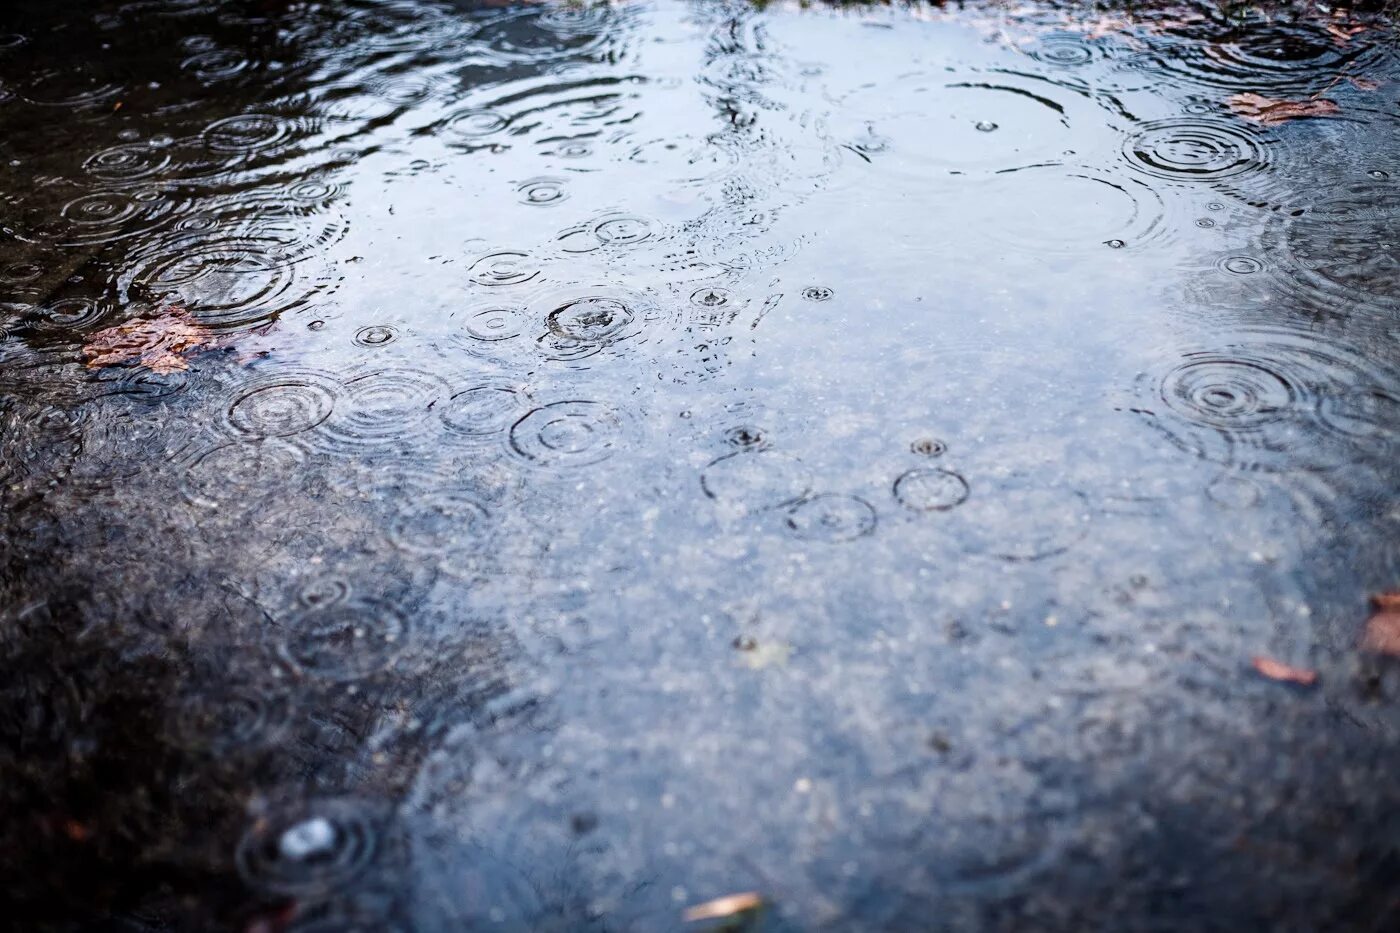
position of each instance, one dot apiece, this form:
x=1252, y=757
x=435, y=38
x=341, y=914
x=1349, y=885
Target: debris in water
x=1269, y=111
x=1285, y=673
x=1382, y=633
x=158, y=342
x=721, y=907
x=760, y=654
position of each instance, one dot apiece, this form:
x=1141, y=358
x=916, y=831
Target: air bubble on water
x=305, y=840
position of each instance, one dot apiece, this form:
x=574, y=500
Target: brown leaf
x=1382, y=633
x=1277, y=670
x=1343, y=33
x=727, y=906
x=159, y=342
x=1386, y=602
x=1267, y=111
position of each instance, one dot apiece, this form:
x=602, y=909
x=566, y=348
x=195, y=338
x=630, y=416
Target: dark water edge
x=542, y=467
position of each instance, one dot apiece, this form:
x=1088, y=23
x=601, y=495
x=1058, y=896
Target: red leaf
x=1277, y=670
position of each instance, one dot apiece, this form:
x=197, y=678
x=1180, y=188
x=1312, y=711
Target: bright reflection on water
x=543, y=466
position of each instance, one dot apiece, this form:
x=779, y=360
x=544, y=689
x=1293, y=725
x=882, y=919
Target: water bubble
x=1065, y=50
x=831, y=517
x=1050, y=209
x=928, y=447
x=344, y=641
x=622, y=230
x=1014, y=520
x=985, y=126
x=216, y=64
x=1257, y=405
x=251, y=132
x=571, y=433
x=1269, y=58
x=542, y=191
x=504, y=267
x=745, y=437
x=492, y=324
x=102, y=207
x=376, y=335
x=540, y=36
x=385, y=405
x=476, y=124
x=314, y=192
x=1363, y=414
x=1226, y=392
x=225, y=282
x=322, y=591
x=817, y=293
x=1195, y=150
x=71, y=313
x=927, y=490
x=1233, y=492
x=761, y=479
x=229, y=717
x=482, y=410
x=308, y=849
x=438, y=522
x=591, y=320
x=710, y=297
x=1345, y=245
x=282, y=406
x=20, y=272
x=1205, y=223
x=1378, y=174
x=1240, y=265
x=243, y=474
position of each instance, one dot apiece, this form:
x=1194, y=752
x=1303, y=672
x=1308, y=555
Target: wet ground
x=543, y=467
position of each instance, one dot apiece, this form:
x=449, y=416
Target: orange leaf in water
x=1382, y=633
x=722, y=907
x=1277, y=670
x=1267, y=111
x=1342, y=33
x=1364, y=84
x=159, y=342
x=1386, y=602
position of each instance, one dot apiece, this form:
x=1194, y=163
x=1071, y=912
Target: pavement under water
x=543, y=467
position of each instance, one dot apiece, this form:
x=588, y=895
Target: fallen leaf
x=722, y=907
x=1364, y=84
x=157, y=341
x=1267, y=111
x=1382, y=633
x=1277, y=670
x=1343, y=33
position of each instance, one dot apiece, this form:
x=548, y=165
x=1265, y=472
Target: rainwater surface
x=495, y=466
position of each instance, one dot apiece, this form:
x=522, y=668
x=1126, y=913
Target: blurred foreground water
x=540, y=467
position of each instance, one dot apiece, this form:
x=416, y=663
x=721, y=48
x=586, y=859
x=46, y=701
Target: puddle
x=552, y=466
